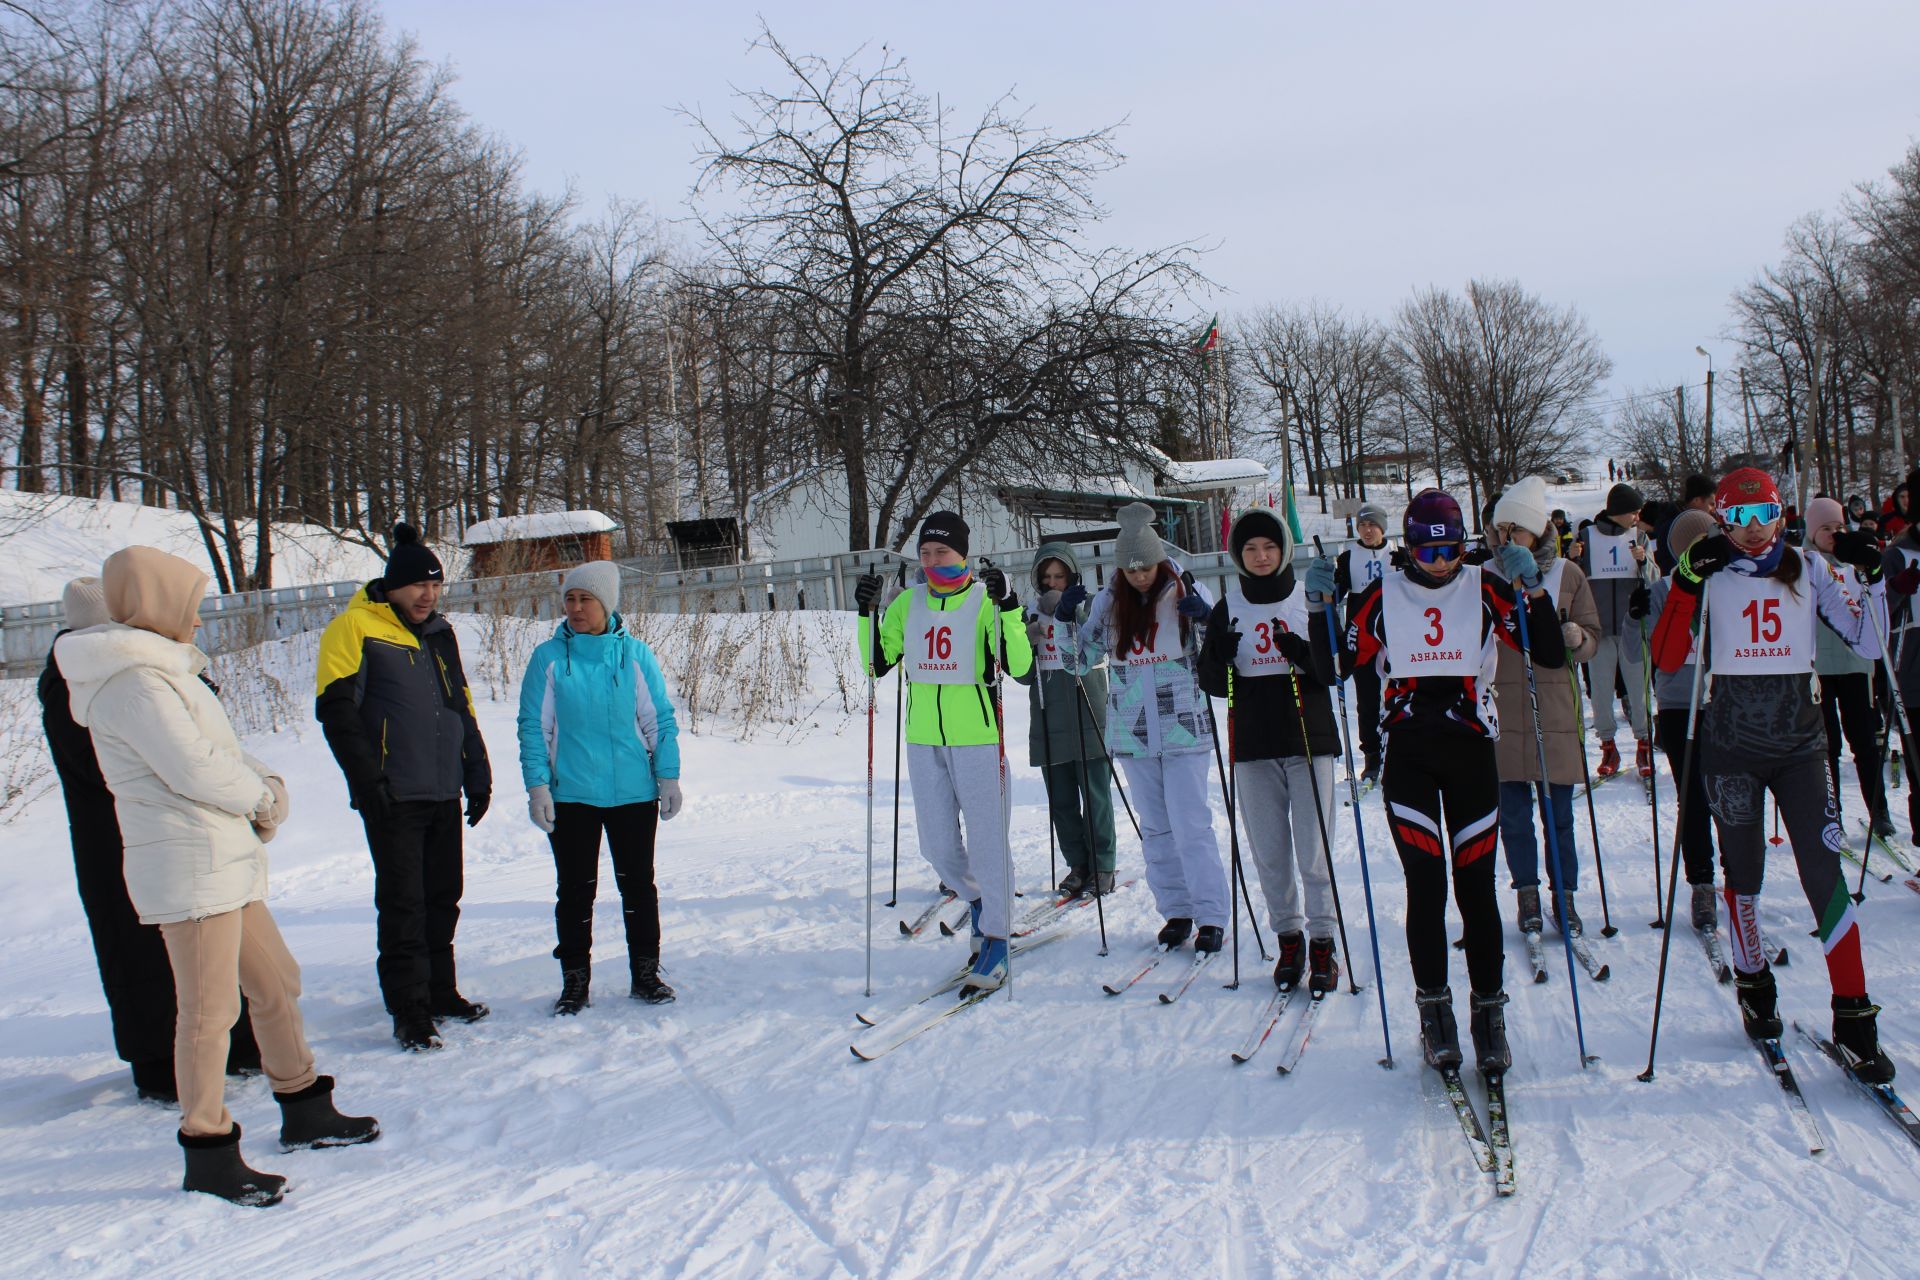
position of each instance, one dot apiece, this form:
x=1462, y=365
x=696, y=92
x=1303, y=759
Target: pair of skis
x=1582, y=952
x=888, y=1031
x=1271, y=1013
x=1175, y=988
x=938, y=910
x=1491, y=1143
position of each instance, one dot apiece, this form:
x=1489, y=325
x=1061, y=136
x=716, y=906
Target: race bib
x=1756, y=626
x=943, y=645
x=1260, y=627
x=1046, y=653
x=1161, y=643
x=1432, y=631
x=1611, y=555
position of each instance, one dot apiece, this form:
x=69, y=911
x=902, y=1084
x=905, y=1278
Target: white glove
x=1574, y=634
x=540, y=807
x=669, y=798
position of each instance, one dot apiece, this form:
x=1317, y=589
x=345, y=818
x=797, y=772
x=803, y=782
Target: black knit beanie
x=410, y=561
x=946, y=528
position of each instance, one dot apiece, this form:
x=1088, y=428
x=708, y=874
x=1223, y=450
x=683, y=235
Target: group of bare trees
x=1485, y=386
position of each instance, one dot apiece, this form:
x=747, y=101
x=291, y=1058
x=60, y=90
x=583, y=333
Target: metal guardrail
x=248, y=618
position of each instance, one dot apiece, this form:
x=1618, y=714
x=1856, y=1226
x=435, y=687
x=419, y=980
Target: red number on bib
x=939, y=643
x=1149, y=641
x=1264, y=630
x=1439, y=632
x=1763, y=620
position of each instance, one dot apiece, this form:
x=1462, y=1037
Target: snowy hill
x=1056, y=1133
x=50, y=540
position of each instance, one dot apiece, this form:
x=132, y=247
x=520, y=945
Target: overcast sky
x=1639, y=161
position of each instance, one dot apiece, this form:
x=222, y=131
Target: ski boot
x=1101, y=884
x=573, y=991
x=1609, y=760
x=1209, y=938
x=989, y=972
x=1760, y=1007
x=1292, y=962
x=1527, y=909
x=647, y=984
x=1323, y=971
x=1706, y=908
x=1643, y=757
x=458, y=1008
x=1073, y=884
x=1439, y=1037
x=308, y=1119
x=413, y=1028
x=1883, y=826
x=1488, y=1022
x=1856, y=1034
x=1370, y=772
x=1563, y=902
x=215, y=1167
x=1174, y=932
x=975, y=938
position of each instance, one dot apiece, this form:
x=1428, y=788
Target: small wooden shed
x=542, y=540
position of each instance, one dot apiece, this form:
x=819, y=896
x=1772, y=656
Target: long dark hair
x=1132, y=615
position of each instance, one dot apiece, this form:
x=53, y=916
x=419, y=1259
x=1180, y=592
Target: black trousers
x=1366, y=699
x=576, y=861
x=1846, y=704
x=1696, y=829
x=1421, y=780
x=417, y=882
x=135, y=973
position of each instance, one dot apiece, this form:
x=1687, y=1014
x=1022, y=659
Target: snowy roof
x=541, y=524
x=1213, y=473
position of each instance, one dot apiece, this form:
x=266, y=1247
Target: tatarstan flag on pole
x=1211, y=338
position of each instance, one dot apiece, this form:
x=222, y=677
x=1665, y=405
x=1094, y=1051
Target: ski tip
x=906, y=930
x=1539, y=977
x=1165, y=998
x=1606, y=971
x=1784, y=959
x=857, y=1055
x=1281, y=1069
x=1656, y=924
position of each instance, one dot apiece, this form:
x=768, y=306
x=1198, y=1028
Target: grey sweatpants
x=949, y=783
x=1616, y=652
x=1275, y=801
x=1176, y=836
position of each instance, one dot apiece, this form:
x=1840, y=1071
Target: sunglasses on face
x=1741, y=513
x=1435, y=552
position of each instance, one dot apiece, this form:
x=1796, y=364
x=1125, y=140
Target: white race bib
x=1756, y=626
x=943, y=645
x=1367, y=565
x=1046, y=654
x=1432, y=631
x=1261, y=626
x=1611, y=555
x=1161, y=643
x=1553, y=580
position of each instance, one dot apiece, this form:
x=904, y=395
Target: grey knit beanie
x=85, y=604
x=599, y=579
x=1138, y=546
x=1370, y=511
x=1688, y=528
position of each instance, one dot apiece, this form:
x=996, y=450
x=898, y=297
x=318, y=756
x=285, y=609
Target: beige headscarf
x=149, y=589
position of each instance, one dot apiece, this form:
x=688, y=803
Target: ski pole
x=899, y=709
x=1359, y=827
x=1319, y=816
x=1046, y=764
x=1000, y=741
x=873, y=655
x=1086, y=803
x=1673, y=868
x=1550, y=823
x=1607, y=929
x=1113, y=773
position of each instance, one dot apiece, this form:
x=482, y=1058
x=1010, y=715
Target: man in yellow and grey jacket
x=394, y=702
x=950, y=633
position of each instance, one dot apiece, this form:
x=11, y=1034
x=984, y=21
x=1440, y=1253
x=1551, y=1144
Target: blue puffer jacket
x=596, y=724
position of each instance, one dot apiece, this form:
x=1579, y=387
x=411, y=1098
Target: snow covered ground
x=1056, y=1133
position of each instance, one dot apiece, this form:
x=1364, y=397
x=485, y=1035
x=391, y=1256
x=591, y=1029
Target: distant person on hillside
x=132, y=957
x=1611, y=552
x=394, y=702
x=1359, y=567
x=202, y=808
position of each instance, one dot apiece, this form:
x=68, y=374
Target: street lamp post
x=1708, y=443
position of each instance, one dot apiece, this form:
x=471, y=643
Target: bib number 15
x=1763, y=620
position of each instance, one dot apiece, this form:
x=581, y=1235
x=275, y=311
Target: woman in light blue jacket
x=599, y=751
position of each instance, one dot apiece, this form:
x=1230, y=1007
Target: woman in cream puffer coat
x=193, y=811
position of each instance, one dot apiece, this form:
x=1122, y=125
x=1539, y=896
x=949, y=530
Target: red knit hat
x=1748, y=484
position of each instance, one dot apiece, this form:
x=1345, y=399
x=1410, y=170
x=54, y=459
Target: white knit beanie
x=599, y=579
x=85, y=604
x=1524, y=506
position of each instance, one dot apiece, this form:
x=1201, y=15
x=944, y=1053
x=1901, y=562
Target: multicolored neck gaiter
x=946, y=579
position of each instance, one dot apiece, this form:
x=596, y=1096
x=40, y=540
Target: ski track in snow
x=1057, y=1133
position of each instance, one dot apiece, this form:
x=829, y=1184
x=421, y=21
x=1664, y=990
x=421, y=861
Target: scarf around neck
x=946, y=579
x=1759, y=566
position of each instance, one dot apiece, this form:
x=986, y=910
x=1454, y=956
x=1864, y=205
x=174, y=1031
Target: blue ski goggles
x=1741, y=513
x=1435, y=552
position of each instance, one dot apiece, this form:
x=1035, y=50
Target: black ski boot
x=1857, y=1035
x=1759, y=1004
x=1439, y=1036
x=308, y=1119
x=1527, y=909
x=1706, y=911
x=458, y=1008
x=1175, y=931
x=1323, y=971
x=1370, y=771
x=413, y=1028
x=1563, y=902
x=1073, y=884
x=215, y=1167
x=153, y=1081
x=574, y=986
x=1292, y=962
x=1488, y=1022
x=1101, y=884
x=1210, y=938
x=647, y=985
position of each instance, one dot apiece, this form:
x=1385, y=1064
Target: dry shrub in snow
x=26, y=770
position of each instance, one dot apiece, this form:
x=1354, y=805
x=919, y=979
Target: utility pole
x=1708, y=449
x=1746, y=408
x=1813, y=421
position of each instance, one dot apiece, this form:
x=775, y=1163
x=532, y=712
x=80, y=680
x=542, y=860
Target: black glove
x=1640, y=603
x=1850, y=546
x=1225, y=642
x=1706, y=557
x=1294, y=648
x=477, y=802
x=866, y=591
x=996, y=584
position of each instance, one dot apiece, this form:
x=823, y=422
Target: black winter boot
x=1856, y=1033
x=1488, y=1022
x=413, y=1028
x=1563, y=909
x=1527, y=909
x=647, y=985
x=215, y=1167
x=1210, y=938
x=307, y=1119
x=153, y=1081
x=1175, y=931
x=1705, y=908
x=1323, y=971
x=1439, y=1036
x=1292, y=962
x=1072, y=883
x=1759, y=1003
x=573, y=991
x=458, y=1008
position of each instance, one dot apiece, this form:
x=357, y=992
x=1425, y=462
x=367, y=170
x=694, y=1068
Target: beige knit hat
x=85, y=604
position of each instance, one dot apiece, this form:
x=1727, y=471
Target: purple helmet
x=1433, y=517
